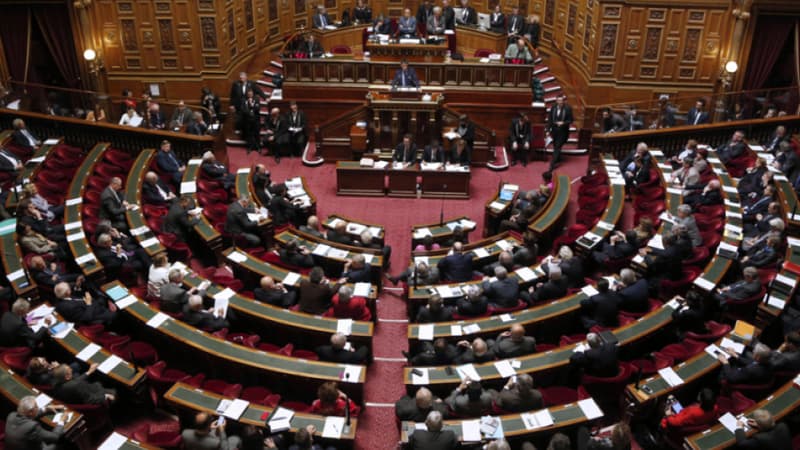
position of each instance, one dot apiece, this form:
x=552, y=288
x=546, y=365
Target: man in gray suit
x=113, y=205
x=434, y=438
x=503, y=292
x=686, y=220
x=469, y=399
x=743, y=289
x=513, y=343
x=209, y=435
x=239, y=224
x=519, y=395
x=173, y=295
x=23, y=430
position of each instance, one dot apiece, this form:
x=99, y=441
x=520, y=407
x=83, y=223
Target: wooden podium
x=394, y=106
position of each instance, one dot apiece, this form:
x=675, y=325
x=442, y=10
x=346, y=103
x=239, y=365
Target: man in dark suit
x=698, y=114
x=277, y=136
x=787, y=357
x=416, y=409
x=768, y=435
x=633, y=120
x=600, y=309
x=182, y=116
x=155, y=118
x=433, y=437
x=559, y=120
x=23, y=137
x=179, y=221
x=466, y=131
x=434, y=153
x=198, y=125
x=497, y=20
x=14, y=329
x=449, y=15
x=469, y=399
x=406, y=151
x=600, y=360
x=24, y=431
x=312, y=47
x=424, y=12
x=474, y=303
x=239, y=91
x=773, y=144
x=710, y=195
x=321, y=19
x=86, y=310
x=216, y=171
x=337, y=353
x=502, y=293
x=9, y=161
x=356, y=270
x=315, y=292
x=434, y=311
x=456, y=267
x=733, y=149
x=113, y=205
x=405, y=77
x=555, y=287
x=516, y=24
x=274, y=293
x=78, y=390
x=238, y=224
x=169, y=163
x=741, y=369
x=514, y=343
x=787, y=160
x=205, y=319
x=519, y=396
x=155, y=191
x=173, y=295
x=440, y=353
x=296, y=120
x=468, y=15
x=611, y=122
x=749, y=286
x=116, y=259
x=520, y=136
x=634, y=294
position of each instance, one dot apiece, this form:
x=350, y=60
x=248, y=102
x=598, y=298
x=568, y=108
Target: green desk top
x=785, y=400
x=488, y=210
x=286, y=317
x=203, y=227
x=13, y=387
x=72, y=213
x=556, y=206
x=244, y=185
x=205, y=401
x=376, y=230
x=489, y=245
x=16, y=273
x=557, y=357
x=311, y=242
x=443, y=231
x=614, y=208
x=29, y=172
x=133, y=195
x=234, y=353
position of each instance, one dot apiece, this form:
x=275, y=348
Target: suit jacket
x=211, y=441
x=436, y=26
x=21, y=140
x=296, y=122
x=560, y=134
x=432, y=440
x=111, y=206
x=456, y=267
x=497, y=22
x=315, y=298
x=401, y=155
x=424, y=13
x=505, y=347
x=744, y=371
x=691, y=228
x=777, y=438
x=602, y=308
x=318, y=20
x=197, y=128
x=236, y=220
x=279, y=128
x=362, y=15
x=173, y=297
x=468, y=17
x=15, y=332
x=79, y=390
x=23, y=433
x=449, y=15
x=330, y=354
x=512, y=400
x=472, y=308
x=692, y=117
x=614, y=122
x=275, y=297
x=168, y=161
x=633, y=122
x=406, y=409
x=239, y=93
x=464, y=159
x=785, y=361
x=312, y=49
x=109, y=259
x=551, y=290
x=774, y=142
x=460, y=404
x=411, y=79
x=729, y=151
x=203, y=319
x=8, y=161
x=179, y=222
x=428, y=154
x=634, y=297
x=152, y=195
x=597, y=362
x=75, y=310
x=407, y=25
x=742, y=290
x=181, y=118
x=520, y=131
x=503, y=293
x=425, y=315
x=516, y=24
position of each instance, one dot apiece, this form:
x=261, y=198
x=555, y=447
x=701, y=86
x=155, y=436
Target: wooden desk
x=17, y=274
x=496, y=209
x=403, y=181
x=403, y=108
x=785, y=400
x=352, y=179
x=396, y=51
x=29, y=172
x=14, y=387
x=554, y=210
x=354, y=228
x=272, y=366
x=441, y=232
x=445, y=183
x=199, y=400
x=358, y=141
x=203, y=228
x=471, y=39
x=73, y=214
x=611, y=216
x=133, y=195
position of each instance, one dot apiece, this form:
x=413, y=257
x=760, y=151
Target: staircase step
x=277, y=64
x=270, y=73
x=548, y=79
x=540, y=69
x=266, y=83
x=552, y=89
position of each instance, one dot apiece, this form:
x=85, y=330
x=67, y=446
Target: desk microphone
x=638, y=378
x=441, y=209
x=346, y=429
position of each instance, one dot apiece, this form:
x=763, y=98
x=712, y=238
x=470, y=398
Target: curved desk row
x=613, y=212
x=264, y=364
x=31, y=170
x=17, y=274
x=204, y=229
x=440, y=231
x=79, y=245
x=498, y=207
x=146, y=237
x=545, y=222
x=354, y=228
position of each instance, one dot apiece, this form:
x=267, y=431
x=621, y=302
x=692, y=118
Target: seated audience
x=787, y=357
x=685, y=219
x=433, y=437
x=747, y=287
x=157, y=274
x=457, y=266
x=636, y=166
x=295, y=255
x=339, y=351
x=555, y=287
x=313, y=227
x=208, y=433
x=434, y=311
x=473, y=303
x=174, y=295
x=347, y=306
x=204, y=319
x=764, y=256
x=35, y=243
x=469, y=399
x=77, y=390
x=168, y=163
x=113, y=205
x=155, y=191
x=85, y=310
x=216, y=171
x=356, y=270
x=601, y=309
x=514, y=343
x=732, y=149
x=315, y=292
x=690, y=314
x=620, y=245
x=426, y=245
x=518, y=395
x=24, y=430
x=274, y=293
x=503, y=292
x=600, y=360
x=476, y=352
x=438, y=353
x=704, y=412
x=15, y=330
x=52, y=274
x=50, y=212
x=419, y=275
x=181, y=219
x=238, y=224
x=634, y=294
x=768, y=433
x=743, y=369
x=710, y=195
x=417, y=408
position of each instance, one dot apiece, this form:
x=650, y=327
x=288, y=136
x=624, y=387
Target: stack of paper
x=362, y=289
x=670, y=376
x=471, y=430
x=235, y=409
x=481, y=252
x=344, y=326
x=737, y=347
x=425, y=332
x=468, y=371
x=333, y=427
x=590, y=408
x=526, y=274
x=539, y=419
x=420, y=233
x=504, y=368
x=291, y=279
x=157, y=320
x=113, y=442
x=281, y=420
x=88, y=352
x=471, y=328
x=497, y=205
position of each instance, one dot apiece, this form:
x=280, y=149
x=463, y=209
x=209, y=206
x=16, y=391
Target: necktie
x=404, y=78
x=464, y=14
x=244, y=88
x=161, y=191
x=696, y=117
x=30, y=138
x=435, y=23
x=514, y=23
x=323, y=21
x=294, y=119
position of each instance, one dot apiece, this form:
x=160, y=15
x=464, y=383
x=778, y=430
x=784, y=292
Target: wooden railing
x=673, y=140
x=333, y=136
x=86, y=134
x=484, y=137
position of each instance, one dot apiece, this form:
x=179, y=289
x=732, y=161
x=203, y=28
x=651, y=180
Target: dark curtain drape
x=57, y=34
x=769, y=39
x=14, y=32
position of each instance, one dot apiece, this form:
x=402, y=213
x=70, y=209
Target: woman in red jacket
x=704, y=412
x=331, y=401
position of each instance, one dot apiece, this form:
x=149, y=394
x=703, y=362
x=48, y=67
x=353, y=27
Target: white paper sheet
x=113, y=442
x=88, y=351
x=737, y=347
x=281, y=420
x=589, y=290
x=321, y=250
x=333, y=427
x=471, y=430
x=188, y=187
x=73, y=225
x=291, y=279
x=481, y=252
x=344, y=326
x=713, y=350
x=670, y=376
x=126, y=301
x=74, y=201
x=362, y=289
x=351, y=374
x=728, y=421
x=506, y=318
x=15, y=275
x=504, y=368
x=42, y=400
x=704, y=284
x=149, y=242
x=590, y=408
x=85, y=258
x=420, y=233
x=109, y=364
x=468, y=371
x=471, y=328
x=526, y=274
x=157, y=320
x=423, y=378
x=425, y=332
x=497, y=205
x=455, y=330
x=237, y=257
x=235, y=410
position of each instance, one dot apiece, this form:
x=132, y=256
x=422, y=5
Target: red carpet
x=376, y=427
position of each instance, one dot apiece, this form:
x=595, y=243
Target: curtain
x=770, y=37
x=57, y=34
x=15, y=33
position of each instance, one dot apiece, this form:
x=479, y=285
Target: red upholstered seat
x=247, y=340
x=571, y=339
x=138, y=352
x=752, y=391
x=296, y=406
x=483, y=52
x=735, y=404
x=715, y=331
x=341, y=50
x=606, y=391
x=558, y=395
x=654, y=304
x=18, y=360
x=497, y=310
x=700, y=256
x=681, y=351
x=670, y=288
x=162, y=435
x=223, y=388
x=97, y=417
x=305, y=354
x=651, y=366
x=744, y=309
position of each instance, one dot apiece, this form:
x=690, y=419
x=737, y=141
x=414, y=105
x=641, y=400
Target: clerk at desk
x=406, y=151
x=312, y=47
x=321, y=19
x=405, y=76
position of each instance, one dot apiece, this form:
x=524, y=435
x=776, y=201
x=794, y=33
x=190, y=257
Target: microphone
x=346, y=428
x=638, y=378
x=441, y=209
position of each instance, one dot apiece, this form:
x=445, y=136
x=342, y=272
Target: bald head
x=338, y=341
x=267, y=283
x=517, y=332
x=424, y=398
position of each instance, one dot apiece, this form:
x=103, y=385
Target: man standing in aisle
x=560, y=119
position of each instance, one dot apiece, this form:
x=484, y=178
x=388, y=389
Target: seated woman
x=49, y=211
x=157, y=275
x=426, y=245
x=704, y=412
x=331, y=401
x=33, y=242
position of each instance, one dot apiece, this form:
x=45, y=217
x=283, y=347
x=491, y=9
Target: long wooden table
x=445, y=183
x=440, y=231
x=17, y=274
x=553, y=212
x=204, y=229
x=267, y=365
x=133, y=195
x=352, y=179
x=199, y=400
x=30, y=171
